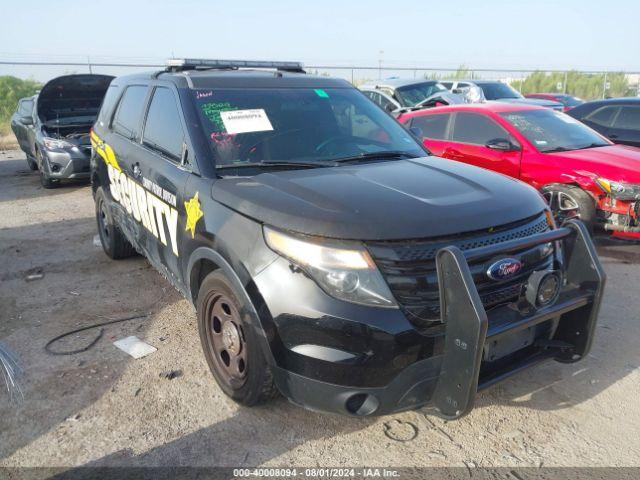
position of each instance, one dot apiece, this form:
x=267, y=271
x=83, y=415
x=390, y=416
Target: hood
x=72, y=95
x=614, y=162
x=402, y=199
x=534, y=101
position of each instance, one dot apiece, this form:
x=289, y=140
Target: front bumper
x=393, y=367
x=72, y=163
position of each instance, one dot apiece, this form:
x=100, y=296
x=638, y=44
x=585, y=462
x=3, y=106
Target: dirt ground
x=102, y=408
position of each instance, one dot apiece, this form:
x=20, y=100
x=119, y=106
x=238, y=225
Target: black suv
x=328, y=255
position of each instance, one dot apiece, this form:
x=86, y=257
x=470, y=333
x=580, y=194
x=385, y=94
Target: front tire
x=113, y=241
x=569, y=201
x=230, y=343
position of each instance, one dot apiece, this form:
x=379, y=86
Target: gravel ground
x=102, y=408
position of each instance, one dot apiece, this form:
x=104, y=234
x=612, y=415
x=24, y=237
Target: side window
x=25, y=108
x=373, y=96
x=386, y=103
x=603, y=116
x=432, y=126
x=163, y=129
x=107, y=105
x=447, y=85
x=628, y=118
x=476, y=129
x=129, y=111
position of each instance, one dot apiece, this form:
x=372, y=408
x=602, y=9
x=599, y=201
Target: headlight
x=345, y=273
x=619, y=190
x=55, y=144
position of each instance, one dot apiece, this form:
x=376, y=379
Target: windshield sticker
x=541, y=142
x=212, y=112
x=245, y=121
x=321, y=93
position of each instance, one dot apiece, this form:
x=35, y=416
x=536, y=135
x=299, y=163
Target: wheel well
x=200, y=270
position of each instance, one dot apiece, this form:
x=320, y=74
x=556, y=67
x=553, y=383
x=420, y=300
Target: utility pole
x=380, y=53
x=604, y=85
x=89, y=63
x=564, y=90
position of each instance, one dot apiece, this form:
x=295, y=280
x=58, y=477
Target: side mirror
x=501, y=144
x=417, y=131
x=184, y=154
x=26, y=120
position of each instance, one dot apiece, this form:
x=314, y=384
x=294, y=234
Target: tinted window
x=129, y=111
x=475, y=128
x=628, y=118
x=163, y=130
x=551, y=131
x=108, y=102
x=25, y=108
x=603, y=116
x=432, y=126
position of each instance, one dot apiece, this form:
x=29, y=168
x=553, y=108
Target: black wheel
x=113, y=241
x=33, y=165
x=230, y=343
x=568, y=201
x=45, y=180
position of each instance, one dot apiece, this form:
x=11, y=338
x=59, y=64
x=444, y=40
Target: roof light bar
x=177, y=64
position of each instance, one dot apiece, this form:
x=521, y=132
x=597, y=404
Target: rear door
x=433, y=130
x=470, y=134
x=164, y=168
x=625, y=128
x=123, y=140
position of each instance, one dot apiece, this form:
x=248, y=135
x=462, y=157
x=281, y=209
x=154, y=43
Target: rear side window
x=163, y=130
x=25, y=108
x=476, y=129
x=603, y=116
x=628, y=118
x=127, y=117
x=108, y=102
x=432, y=126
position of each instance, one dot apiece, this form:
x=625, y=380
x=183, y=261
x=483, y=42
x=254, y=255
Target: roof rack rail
x=182, y=64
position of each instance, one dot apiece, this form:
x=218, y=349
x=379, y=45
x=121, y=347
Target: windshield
x=411, y=95
x=301, y=125
x=551, y=131
x=498, y=91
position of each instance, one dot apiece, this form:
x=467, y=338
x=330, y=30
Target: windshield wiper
x=593, y=145
x=275, y=164
x=376, y=155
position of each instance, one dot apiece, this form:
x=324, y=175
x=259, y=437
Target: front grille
x=410, y=271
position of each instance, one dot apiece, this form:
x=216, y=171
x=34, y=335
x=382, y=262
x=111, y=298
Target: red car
x=580, y=173
x=569, y=101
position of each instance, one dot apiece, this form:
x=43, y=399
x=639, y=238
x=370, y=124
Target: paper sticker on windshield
x=245, y=121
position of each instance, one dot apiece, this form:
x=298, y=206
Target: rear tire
x=113, y=241
x=230, y=343
x=569, y=201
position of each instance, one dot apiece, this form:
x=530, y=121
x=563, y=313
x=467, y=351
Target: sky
x=542, y=34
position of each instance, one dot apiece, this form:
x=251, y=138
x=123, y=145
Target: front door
x=471, y=135
x=163, y=171
x=626, y=126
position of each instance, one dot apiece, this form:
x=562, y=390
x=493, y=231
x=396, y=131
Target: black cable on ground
x=47, y=347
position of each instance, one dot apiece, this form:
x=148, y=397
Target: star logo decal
x=194, y=213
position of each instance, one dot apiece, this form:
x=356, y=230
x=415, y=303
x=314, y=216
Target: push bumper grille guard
x=466, y=323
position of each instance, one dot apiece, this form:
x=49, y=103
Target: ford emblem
x=504, y=268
